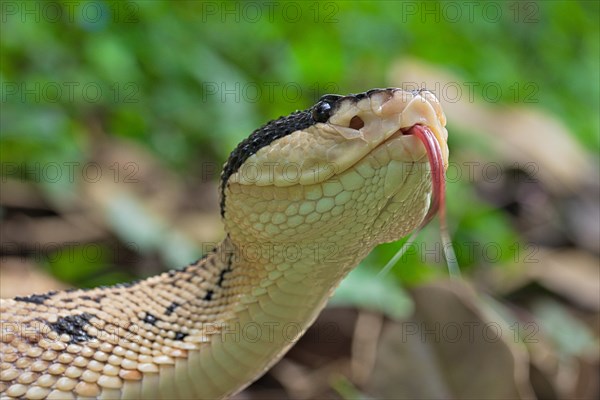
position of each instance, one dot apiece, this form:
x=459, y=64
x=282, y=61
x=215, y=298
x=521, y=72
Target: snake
x=304, y=199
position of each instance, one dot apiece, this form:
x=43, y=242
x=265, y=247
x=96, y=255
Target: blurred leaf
x=363, y=289
x=112, y=59
x=134, y=224
x=346, y=389
x=448, y=342
x=571, y=337
x=85, y=265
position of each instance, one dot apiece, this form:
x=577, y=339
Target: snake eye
x=321, y=111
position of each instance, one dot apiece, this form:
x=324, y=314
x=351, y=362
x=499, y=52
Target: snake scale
x=303, y=199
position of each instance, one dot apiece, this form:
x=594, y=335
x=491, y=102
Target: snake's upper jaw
x=367, y=123
x=357, y=125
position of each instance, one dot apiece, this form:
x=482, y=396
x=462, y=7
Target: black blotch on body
x=209, y=294
x=36, y=298
x=169, y=310
x=180, y=335
x=222, y=277
x=73, y=325
x=224, y=271
x=95, y=298
x=150, y=319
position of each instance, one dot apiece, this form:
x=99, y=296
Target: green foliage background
x=157, y=63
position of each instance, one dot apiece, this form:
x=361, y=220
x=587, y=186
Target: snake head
x=347, y=169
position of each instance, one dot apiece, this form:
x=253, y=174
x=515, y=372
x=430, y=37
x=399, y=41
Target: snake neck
x=256, y=301
x=290, y=279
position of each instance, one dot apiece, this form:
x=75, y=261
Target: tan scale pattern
x=209, y=330
x=132, y=333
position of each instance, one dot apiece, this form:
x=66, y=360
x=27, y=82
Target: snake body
x=304, y=199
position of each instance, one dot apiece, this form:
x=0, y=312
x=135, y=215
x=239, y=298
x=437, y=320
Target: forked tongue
x=438, y=201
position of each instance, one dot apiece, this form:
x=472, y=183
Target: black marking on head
x=274, y=130
x=260, y=138
x=180, y=335
x=73, y=325
x=150, y=319
x=321, y=111
x=209, y=295
x=36, y=298
x=169, y=310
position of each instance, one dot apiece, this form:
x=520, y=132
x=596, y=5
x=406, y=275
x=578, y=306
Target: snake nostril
x=356, y=122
